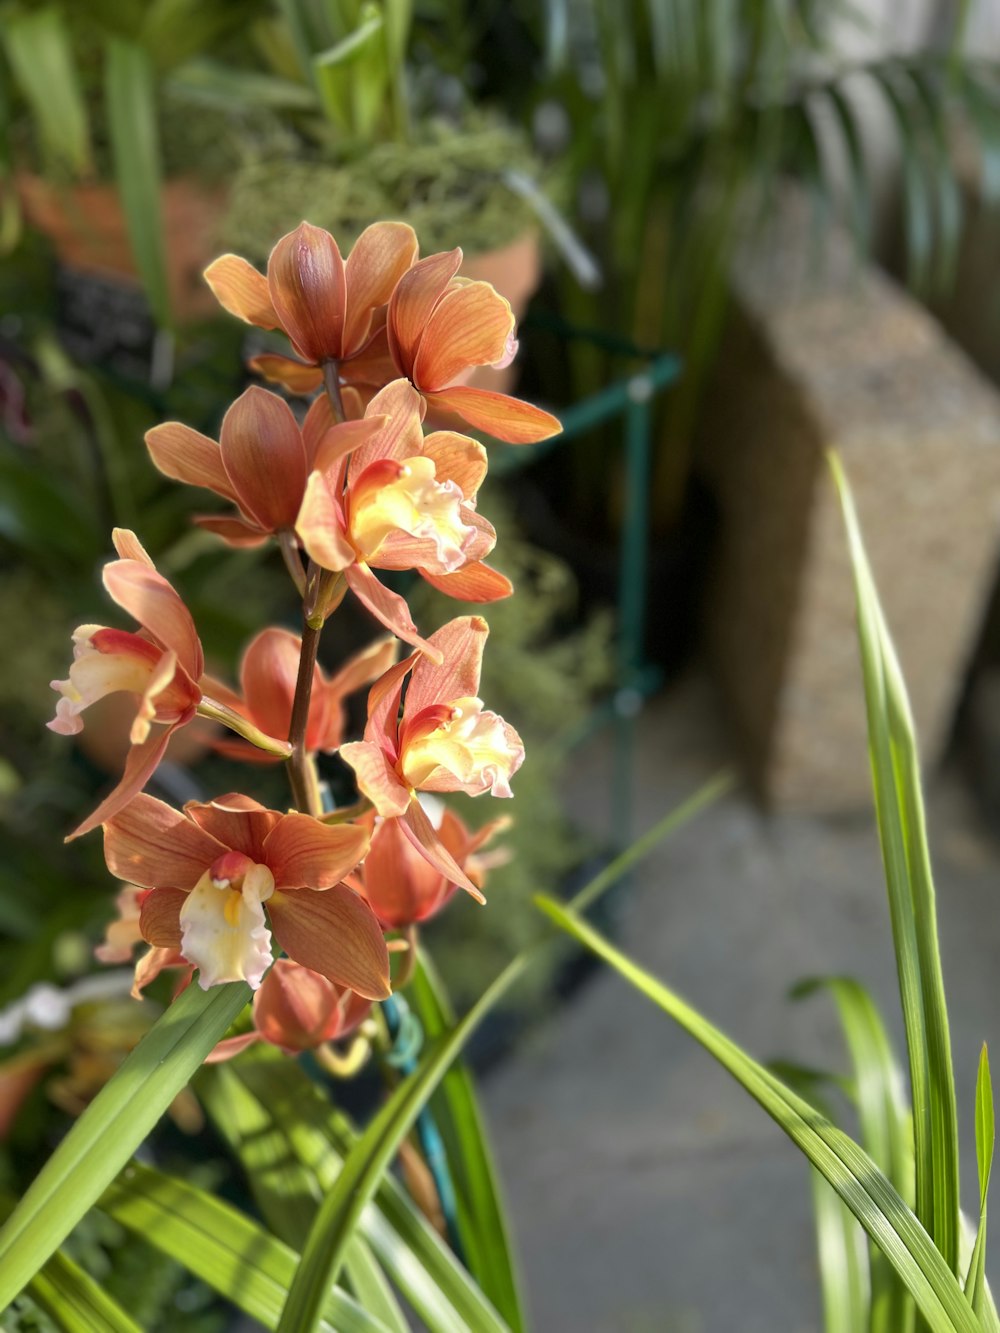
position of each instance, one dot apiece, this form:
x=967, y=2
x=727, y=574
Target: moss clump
x=447, y=184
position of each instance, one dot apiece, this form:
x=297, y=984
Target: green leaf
x=286, y=1193
x=324, y=1251
x=482, y=1224
x=900, y=813
x=318, y=1137
x=40, y=52
x=886, y=1134
x=370, y=1158
x=130, y=99
x=975, y=1284
x=843, y=1261
x=72, y=1298
x=111, y=1128
x=209, y=83
x=221, y=1246
x=351, y=76
x=866, y=1191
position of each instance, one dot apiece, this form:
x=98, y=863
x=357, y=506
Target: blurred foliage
x=448, y=183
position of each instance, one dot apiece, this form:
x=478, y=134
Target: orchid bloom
x=332, y=310
x=268, y=673
x=123, y=934
x=399, y=882
x=401, y=501
x=260, y=463
x=445, y=740
x=297, y=1009
x=440, y=327
x=213, y=869
x=160, y=665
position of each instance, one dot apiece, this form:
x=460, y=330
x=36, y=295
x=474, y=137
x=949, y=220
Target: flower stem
x=211, y=708
x=301, y=770
x=293, y=561
x=331, y=382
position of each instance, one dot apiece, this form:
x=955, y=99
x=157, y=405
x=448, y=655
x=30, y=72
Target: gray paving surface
x=647, y=1191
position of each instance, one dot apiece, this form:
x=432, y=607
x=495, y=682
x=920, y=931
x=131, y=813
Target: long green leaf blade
x=899, y=811
x=285, y=1191
x=135, y=144
x=323, y=1255
x=72, y=1298
x=221, y=1246
x=482, y=1223
x=851, y=1172
x=41, y=55
x=319, y=1138
x=975, y=1283
x=111, y=1128
x=885, y=1127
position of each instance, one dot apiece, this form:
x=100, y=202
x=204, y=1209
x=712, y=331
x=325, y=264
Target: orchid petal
x=475, y=583
x=320, y=526
x=422, y=833
x=241, y=290
x=159, y=920
x=455, y=675
x=140, y=766
x=224, y=932
x=457, y=458
x=381, y=255
x=469, y=326
x=376, y=778
x=236, y=821
x=296, y=376
x=387, y=607
x=152, y=844
x=411, y=303
x=149, y=598
x=383, y=704
x=188, y=456
x=268, y=674
x=308, y=286
x=400, y=883
x=336, y=934
x=303, y=853
x=129, y=547
x=229, y=1047
x=402, y=436
x=264, y=457
x=497, y=414
x=343, y=439
x=233, y=531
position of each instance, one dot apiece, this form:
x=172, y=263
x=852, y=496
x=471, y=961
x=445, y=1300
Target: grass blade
x=40, y=52
x=900, y=814
x=131, y=110
x=111, y=1128
x=75, y=1302
x=221, y=1246
x=866, y=1191
x=482, y=1224
x=843, y=1261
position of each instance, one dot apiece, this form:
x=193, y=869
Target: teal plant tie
x=407, y=1039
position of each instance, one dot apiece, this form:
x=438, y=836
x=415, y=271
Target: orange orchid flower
x=123, y=934
x=297, y=1009
x=440, y=327
x=399, y=882
x=445, y=740
x=213, y=869
x=332, y=310
x=401, y=501
x=268, y=673
x=260, y=463
x=161, y=665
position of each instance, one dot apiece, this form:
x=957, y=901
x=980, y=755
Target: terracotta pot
x=86, y=225
x=515, y=271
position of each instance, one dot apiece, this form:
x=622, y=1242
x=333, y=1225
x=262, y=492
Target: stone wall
x=834, y=355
